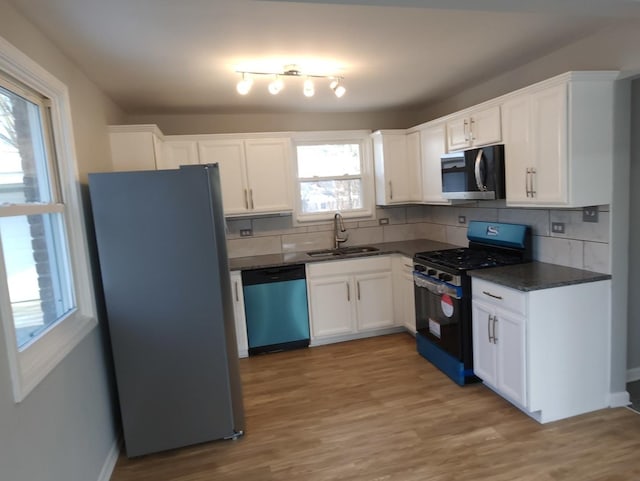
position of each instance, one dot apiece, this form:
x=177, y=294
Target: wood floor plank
x=374, y=410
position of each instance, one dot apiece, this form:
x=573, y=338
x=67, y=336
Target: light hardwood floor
x=375, y=410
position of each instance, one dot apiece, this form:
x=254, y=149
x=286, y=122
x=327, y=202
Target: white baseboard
x=619, y=399
x=633, y=374
x=110, y=462
x=359, y=335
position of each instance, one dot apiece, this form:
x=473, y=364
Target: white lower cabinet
x=499, y=350
x=350, y=299
x=544, y=350
x=238, y=311
x=404, y=293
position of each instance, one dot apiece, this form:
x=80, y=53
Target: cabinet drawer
x=348, y=267
x=502, y=296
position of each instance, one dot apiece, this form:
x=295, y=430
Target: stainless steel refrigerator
x=165, y=273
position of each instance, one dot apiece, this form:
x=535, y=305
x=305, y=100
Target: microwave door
x=480, y=170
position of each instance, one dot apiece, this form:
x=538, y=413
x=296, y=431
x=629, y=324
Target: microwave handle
x=479, y=179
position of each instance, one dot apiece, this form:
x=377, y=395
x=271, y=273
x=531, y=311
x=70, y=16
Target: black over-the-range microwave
x=474, y=174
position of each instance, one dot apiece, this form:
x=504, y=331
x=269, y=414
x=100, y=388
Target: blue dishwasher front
x=275, y=304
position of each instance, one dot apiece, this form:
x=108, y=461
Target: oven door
x=439, y=313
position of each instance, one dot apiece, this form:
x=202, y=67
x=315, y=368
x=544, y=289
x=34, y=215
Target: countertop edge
x=534, y=276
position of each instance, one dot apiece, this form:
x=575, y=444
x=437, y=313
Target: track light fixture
x=277, y=84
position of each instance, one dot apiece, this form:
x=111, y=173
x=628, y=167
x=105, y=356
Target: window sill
x=37, y=360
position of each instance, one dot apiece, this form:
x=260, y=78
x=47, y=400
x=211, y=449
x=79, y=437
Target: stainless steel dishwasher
x=275, y=304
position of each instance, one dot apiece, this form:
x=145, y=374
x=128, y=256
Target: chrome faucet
x=338, y=227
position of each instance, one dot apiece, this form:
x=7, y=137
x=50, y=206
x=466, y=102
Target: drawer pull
x=491, y=295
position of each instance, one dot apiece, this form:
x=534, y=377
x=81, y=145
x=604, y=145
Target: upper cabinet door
x=269, y=174
x=516, y=117
x=134, y=150
x=414, y=166
x=177, y=153
x=393, y=185
x=549, y=139
x=474, y=129
x=432, y=145
x=229, y=155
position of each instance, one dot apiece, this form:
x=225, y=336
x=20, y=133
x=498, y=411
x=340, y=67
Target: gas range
x=443, y=292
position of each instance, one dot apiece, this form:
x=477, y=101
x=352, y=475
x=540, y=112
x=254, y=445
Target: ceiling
x=181, y=56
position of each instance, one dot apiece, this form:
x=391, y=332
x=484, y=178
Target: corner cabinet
x=545, y=351
x=397, y=163
x=135, y=147
x=558, y=137
x=474, y=128
x=432, y=146
x=350, y=299
x=256, y=173
x=238, y=310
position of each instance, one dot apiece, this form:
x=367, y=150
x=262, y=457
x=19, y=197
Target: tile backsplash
x=582, y=245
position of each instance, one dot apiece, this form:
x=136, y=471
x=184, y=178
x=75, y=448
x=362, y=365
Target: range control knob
x=432, y=272
x=419, y=268
x=445, y=277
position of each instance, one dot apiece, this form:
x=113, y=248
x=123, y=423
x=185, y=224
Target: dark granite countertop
x=533, y=276
x=408, y=248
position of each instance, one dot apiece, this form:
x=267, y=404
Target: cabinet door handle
x=526, y=182
x=236, y=289
x=408, y=266
x=348, y=292
x=489, y=319
x=495, y=338
x=390, y=190
x=246, y=199
x=471, y=136
x=533, y=174
x=358, y=286
x=251, y=198
x=486, y=293
x=465, y=124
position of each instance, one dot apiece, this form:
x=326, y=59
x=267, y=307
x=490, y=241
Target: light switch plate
x=383, y=221
x=557, y=227
x=246, y=232
x=590, y=214
x=462, y=219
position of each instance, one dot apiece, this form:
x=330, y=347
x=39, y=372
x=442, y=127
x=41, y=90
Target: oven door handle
x=436, y=286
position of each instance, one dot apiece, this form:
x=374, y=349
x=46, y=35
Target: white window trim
x=32, y=363
x=362, y=137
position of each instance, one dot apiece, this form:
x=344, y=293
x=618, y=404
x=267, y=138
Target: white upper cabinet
x=255, y=173
x=395, y=169
x=474, y=128
x=135, y=147
x=414, y=166
x=177, y=153
x=558, y=138
x=432, y=145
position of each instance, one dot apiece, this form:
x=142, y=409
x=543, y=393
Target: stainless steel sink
x=342, y=251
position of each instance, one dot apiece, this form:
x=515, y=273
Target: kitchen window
x=333, y=174
x=46, y=300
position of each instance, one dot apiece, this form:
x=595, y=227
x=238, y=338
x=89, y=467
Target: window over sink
x=333, y=174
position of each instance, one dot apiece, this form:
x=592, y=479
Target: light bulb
x=308, y=89
x=244, y=85
x=276, y=86
x=339, y=91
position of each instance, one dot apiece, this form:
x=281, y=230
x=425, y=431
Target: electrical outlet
x=246, y=232
x=383, y=221
x=590, y=214
x=462, y=219
x=557, y=227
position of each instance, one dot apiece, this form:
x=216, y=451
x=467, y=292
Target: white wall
x=633, y=345
x=262, y=122
x=66, y=427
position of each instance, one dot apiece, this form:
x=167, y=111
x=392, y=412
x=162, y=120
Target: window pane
x=40, y=291
x=331, y=195
x=329, y=160
x=23, y=162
